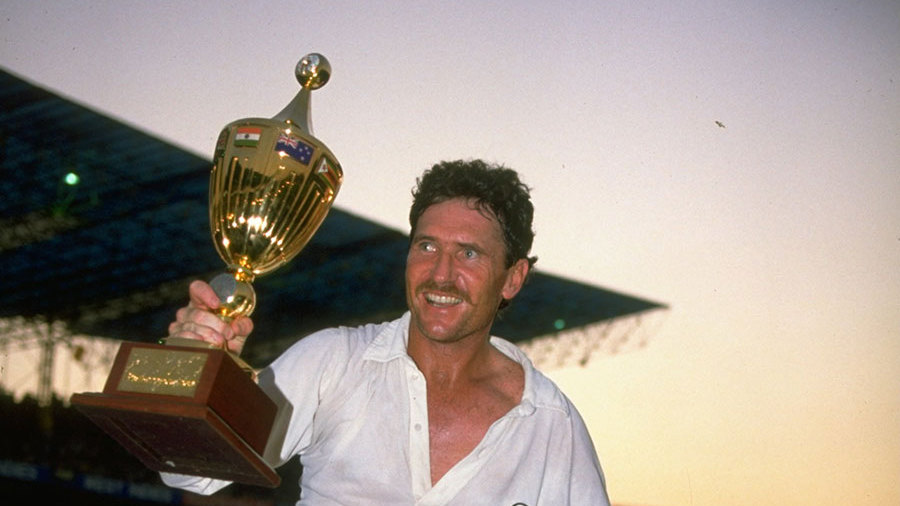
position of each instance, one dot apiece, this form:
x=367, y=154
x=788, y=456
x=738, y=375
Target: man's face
x=456, y=274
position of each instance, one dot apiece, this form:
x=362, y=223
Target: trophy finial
x=312, y=72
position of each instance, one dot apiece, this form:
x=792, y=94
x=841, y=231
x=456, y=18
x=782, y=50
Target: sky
x=774, y=238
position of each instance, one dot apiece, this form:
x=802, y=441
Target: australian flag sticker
x=295, y=148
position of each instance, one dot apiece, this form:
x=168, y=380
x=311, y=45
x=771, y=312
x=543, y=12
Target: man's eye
x=470, y=253
x=426, y=246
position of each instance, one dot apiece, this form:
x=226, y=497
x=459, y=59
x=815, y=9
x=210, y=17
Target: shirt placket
x=420, y=459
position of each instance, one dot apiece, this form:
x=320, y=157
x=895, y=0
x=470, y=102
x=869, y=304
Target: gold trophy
x=184, y=407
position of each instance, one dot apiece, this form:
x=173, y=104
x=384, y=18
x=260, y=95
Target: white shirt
x=358, y=418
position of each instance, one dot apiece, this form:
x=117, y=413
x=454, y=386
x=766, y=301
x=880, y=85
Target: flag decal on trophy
x=247, y=136
x=329, y=174
x=221, y=143
x=295, y=148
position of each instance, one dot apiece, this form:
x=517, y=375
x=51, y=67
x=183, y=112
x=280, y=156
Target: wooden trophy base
x=186, y=410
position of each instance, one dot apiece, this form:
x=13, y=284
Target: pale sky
x=774, y=377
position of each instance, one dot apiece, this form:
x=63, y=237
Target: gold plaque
x=159, y=371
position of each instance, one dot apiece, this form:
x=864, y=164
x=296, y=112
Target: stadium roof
x=111, y=254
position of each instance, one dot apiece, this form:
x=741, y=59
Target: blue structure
x=103, y=226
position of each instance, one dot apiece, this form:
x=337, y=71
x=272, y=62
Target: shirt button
x=418, y=426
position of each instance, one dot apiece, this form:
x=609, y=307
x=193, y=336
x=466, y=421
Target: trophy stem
x=236, y=294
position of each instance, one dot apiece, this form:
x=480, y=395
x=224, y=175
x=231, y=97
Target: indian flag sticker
x=247, y=136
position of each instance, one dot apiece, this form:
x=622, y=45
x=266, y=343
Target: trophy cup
x=183, y=406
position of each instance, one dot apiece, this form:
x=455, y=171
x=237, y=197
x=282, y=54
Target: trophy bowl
x=271, y=186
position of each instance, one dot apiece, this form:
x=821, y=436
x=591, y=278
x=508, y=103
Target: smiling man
x=428, y=409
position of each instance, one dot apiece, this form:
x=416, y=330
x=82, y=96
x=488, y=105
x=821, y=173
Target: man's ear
x=515, y=278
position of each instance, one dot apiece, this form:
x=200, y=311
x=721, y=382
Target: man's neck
x=447, y=364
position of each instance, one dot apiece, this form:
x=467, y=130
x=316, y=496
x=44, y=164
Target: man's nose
x=443, y=267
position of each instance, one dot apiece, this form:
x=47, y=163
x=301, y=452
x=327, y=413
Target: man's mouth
x=442, y=300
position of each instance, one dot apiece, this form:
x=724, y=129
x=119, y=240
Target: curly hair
x=494, y=188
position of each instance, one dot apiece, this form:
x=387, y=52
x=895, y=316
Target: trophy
x=181, y=406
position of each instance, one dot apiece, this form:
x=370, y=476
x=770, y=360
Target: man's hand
x=198, y=320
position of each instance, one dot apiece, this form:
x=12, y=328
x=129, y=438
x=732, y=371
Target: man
x=428, y=409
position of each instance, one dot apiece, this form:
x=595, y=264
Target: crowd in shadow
x=59, y=437
x=44, y=449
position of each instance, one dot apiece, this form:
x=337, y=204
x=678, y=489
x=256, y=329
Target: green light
x=72, y=179
x=559, y=324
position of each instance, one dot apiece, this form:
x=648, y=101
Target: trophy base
x=185, y=410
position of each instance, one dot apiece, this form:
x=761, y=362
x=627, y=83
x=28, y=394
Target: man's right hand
x=198, y=320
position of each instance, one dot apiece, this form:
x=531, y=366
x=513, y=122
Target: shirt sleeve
x=196, y=484
x=295, y=381
x=587, y=484
x=298, y=380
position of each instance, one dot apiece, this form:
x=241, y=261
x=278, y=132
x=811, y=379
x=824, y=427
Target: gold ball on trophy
x=313, y=71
